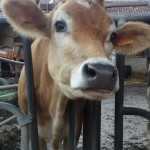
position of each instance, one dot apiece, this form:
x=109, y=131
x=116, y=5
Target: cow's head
x=81, y=37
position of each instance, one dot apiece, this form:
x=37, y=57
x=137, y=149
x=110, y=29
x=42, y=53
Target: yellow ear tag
x=125, y=42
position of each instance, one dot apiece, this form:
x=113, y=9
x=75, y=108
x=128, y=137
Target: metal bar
x=148, y=82
x=118, y=144
x=7, y=120
x=11, y=61
x=25, y=138
x=119, y=96
x=30, y=94
x=136, y=111
x=88, y=126
x=96, y=125
x=73, y=122
x=7, y=87
x=131, y=16
x=148, y=65
x=22, y=121
x=14, y=110
x=125, y=4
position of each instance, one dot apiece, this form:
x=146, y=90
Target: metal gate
x=27, y=123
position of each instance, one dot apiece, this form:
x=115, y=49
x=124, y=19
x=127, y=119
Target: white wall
x=137, y=64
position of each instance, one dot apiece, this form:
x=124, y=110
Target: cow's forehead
x=85, y=16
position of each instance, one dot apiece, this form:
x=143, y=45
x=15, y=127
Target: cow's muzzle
x=100, y=76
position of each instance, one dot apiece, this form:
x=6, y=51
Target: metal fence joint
x=22, y=121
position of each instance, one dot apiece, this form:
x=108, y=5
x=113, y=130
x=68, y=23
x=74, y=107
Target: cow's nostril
x=89, y=71
x=100, y=76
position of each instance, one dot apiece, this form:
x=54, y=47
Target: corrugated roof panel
x=130, y=9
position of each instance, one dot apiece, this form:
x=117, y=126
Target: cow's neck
x=52, y=97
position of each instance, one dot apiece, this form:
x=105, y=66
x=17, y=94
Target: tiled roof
x=46, y=1
x=127, y=9
x=126, y=1
x=130, y=9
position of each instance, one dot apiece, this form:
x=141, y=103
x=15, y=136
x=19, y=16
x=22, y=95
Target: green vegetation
x=5, y=96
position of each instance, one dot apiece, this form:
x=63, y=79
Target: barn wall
x=137, y=64
x=6, y=35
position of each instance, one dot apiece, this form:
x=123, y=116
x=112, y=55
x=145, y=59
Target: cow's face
x=81, y=38
x=78, y=59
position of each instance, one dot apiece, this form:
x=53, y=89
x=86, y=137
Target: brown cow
x=71, y=58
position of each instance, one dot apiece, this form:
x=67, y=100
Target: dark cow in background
x=127, y=72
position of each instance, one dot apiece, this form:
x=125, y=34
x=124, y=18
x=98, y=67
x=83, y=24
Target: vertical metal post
x=118, y=144
x=91, y=125
x=96, y=125
x=73, y=122
x=119, y=97
x=148, y=83
x=30, y=94
x=24, y=138
x=148, y=65
x=88, y=125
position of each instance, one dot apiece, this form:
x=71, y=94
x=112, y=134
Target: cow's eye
x=113, y=36
x=60, y=26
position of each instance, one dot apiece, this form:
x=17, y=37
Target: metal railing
x=27, y=123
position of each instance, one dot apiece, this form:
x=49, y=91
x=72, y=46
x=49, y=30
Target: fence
x=92, y=121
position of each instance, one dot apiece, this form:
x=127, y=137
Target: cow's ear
x=131, y=38
x=25, y=17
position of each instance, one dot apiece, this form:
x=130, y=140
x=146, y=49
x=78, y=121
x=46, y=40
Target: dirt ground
x=136, y=135
x=9, y=137
x=9, y=133
x=135, y=127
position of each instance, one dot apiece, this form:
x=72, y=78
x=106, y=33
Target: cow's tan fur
x=49, y=99
x=57, y=57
